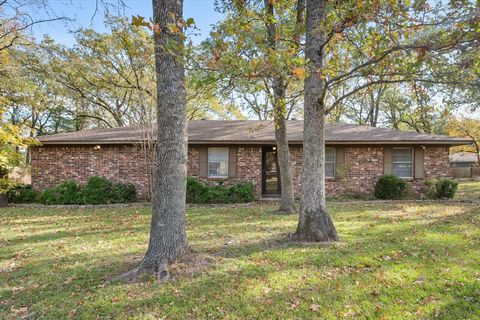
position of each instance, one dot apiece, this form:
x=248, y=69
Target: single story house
x=238, y=151
x=463, y=159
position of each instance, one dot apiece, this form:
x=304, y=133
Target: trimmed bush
x=98, y=190
x=441, y=188
x=242, y=192
x=390, y=187
x=201, y=193
x=122, y=193
x=67, y=192
x=22, y=193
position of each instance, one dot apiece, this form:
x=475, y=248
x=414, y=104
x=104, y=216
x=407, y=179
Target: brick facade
x=363, y=165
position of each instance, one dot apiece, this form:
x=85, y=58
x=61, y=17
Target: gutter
x=267, y=142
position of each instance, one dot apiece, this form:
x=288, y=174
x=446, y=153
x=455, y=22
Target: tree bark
x=314, y=222
x=287, y=201
x=167, y=231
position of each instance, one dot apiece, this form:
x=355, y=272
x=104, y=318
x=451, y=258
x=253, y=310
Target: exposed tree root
x=185, y=266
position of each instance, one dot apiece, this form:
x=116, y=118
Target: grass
x=468, y=190
x=395, y=261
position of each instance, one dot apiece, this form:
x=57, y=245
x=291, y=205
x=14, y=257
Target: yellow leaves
x=139, y=21
x=174, y=28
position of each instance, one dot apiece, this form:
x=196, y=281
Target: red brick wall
x=249, y=167
x=363, y=166
x=52, y=165
x=125, y=163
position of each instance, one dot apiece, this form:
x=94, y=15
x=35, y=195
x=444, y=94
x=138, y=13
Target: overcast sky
x=83, y=14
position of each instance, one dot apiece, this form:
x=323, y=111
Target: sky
x=83, y=14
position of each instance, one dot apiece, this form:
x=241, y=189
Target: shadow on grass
x=236, y=284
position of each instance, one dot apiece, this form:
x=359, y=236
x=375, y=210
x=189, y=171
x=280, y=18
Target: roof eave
x=262, y=142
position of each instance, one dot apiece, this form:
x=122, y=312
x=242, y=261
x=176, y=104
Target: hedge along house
x=238, y=151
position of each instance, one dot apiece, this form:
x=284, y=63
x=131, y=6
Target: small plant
x=22, y=193
x=441, y=188
x=390, y=187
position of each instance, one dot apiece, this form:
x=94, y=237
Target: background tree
x=469, y=128
x=253, y=55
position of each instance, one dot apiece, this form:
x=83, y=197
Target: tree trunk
x=314, y=222
x=167, y=231
x=287, y=202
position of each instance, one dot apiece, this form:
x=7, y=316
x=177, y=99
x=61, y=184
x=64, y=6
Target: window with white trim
x=402, y=162
x=330, y=163
x=218, y=162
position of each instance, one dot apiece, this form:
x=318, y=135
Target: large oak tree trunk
x=287, y=201
x=314, y=222
x=167, y=231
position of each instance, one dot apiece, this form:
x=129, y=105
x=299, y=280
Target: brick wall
x=363, y=166
x=249, y=167
x=52, y=165
x=125, y=163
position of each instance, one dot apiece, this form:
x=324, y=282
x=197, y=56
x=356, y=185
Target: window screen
x=330, y=162
x=218, y=162
x=402, y=162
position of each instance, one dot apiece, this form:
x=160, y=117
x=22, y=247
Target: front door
x=270, y=171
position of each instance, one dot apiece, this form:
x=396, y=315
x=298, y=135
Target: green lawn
x=468, y=190
x=395, y=261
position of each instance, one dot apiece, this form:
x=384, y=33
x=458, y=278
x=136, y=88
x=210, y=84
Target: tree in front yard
x=167, y=231
x=352, y=46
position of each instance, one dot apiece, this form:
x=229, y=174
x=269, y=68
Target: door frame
x=266, y=149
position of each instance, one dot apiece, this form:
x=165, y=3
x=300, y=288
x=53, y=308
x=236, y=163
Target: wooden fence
x=465, y=172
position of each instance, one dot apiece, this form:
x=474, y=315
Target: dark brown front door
x=270, y=172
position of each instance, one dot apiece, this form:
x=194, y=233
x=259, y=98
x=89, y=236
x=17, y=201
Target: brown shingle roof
x=255, y=132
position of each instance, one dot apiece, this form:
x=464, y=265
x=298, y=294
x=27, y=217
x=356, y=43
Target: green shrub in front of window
x=201, y=193
x=441, y=188
x=390, y=187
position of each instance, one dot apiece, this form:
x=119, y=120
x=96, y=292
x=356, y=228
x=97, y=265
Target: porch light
x=274, y=148
x=97, y=147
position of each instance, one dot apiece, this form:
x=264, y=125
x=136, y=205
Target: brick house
x=234, y=151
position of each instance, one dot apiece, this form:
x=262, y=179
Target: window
x=218, y=162
x=402, y=162
x=330, y=163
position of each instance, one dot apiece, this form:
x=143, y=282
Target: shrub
x=22, y=193
x=242, y=192
x=98, y=190
x=390, y=187
x=201, y=193
x=441, y=189
x=122, y=193
x=67, y=192
x=196, y=191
